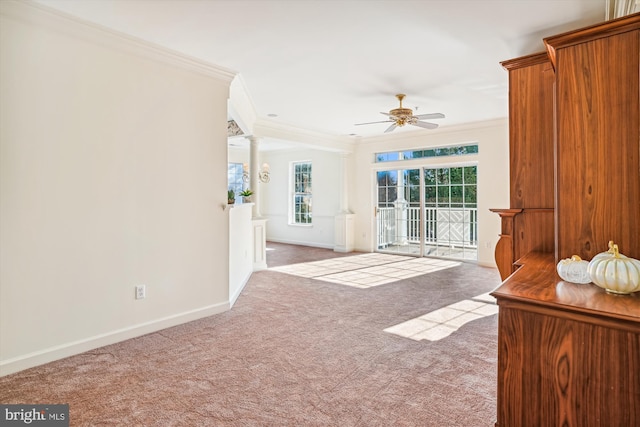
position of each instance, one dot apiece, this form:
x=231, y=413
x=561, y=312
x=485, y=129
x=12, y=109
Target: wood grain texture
x=537, y=284
x=523, y=231
x=531, y=132
x=561, y=372
x=598, y=146
x=504, y=252
x=534, y=231
x=593, y=32
x=531, y=164
x=568, y=354
x=504, y=256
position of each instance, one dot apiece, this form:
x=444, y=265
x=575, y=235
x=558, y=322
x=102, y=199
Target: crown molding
x=526, y=61
x=606, y=29
x=62, y=23
x=241, y=106
x=304, y=137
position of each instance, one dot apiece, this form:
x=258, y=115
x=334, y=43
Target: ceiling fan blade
x=425, y=125
x=390, y=128
x=429, y=116
x=372, y=123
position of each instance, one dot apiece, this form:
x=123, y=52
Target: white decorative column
x=344, y=221
x=259, y=224
x=401, y=211
x=254, y=170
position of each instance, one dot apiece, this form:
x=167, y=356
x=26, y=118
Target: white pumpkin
x=615, y=273
x=574, y=270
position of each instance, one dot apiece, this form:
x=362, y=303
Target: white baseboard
x=51, y=354
x=301, y=243
x=234, y=297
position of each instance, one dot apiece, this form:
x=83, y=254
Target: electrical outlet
x=141, y=292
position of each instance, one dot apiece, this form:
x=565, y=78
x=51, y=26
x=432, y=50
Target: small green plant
x=231, y=197
x=246, y=193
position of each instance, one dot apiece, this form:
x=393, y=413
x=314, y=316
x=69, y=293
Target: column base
x=344, y=232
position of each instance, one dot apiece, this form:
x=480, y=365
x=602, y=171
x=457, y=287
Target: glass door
x=451, y=212
x=398, y=218
x=441, y=223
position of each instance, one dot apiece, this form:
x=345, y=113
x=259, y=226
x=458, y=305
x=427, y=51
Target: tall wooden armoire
x=569, y=354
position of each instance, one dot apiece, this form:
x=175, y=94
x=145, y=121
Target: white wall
x=493, y=176
x=240, y=249
x=274, y=197
x=112, y=174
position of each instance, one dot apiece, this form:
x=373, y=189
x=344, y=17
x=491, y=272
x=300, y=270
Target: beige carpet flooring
x=293, y=351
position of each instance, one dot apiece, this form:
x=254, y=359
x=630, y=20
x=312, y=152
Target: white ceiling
x=324, y=65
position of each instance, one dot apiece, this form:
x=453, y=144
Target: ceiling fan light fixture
x=401, y=121
x=401, y=116
x=401, y=112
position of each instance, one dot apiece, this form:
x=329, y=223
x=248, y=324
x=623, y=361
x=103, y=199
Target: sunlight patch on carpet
x=441, y=323
x=366, y=270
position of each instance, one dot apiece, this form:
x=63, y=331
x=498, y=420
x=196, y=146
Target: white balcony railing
x=452, y=227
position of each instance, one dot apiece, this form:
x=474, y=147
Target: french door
x=428, y=212
x=398, y=219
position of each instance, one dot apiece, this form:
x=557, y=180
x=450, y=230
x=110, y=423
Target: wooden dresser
x=569, y=354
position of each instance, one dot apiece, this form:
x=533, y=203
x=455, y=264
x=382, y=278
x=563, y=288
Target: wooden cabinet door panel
x=563, y=372
x=598, y=146
x=531, y=136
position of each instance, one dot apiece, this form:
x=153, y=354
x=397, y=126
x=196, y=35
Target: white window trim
x=291, y=199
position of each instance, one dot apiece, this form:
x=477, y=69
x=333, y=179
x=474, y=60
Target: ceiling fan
x=399, y=117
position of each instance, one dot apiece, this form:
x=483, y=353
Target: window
x=458, y=150
x=387, y=188
x=301, y=197
x=235, y=180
